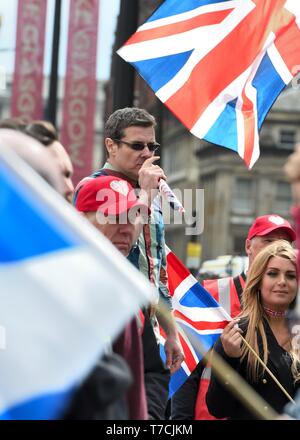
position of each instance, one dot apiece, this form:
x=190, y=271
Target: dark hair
x=43, y=131
x=127, y=117
x=13, y=123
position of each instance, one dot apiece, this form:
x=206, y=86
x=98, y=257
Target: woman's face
x=279, y=284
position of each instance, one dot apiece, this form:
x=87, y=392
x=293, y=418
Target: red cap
x=268, y=223
x=110, y=194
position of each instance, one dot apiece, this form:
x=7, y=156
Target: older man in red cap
x=265, y=230
x=189, y=402
x=103, y=201
x=111, y=205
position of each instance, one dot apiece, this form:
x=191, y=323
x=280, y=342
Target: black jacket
x=221, y=402
x=157, y=376
x=102, y=395
x=184, y=400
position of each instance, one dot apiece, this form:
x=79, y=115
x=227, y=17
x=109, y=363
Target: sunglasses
x=139, y=146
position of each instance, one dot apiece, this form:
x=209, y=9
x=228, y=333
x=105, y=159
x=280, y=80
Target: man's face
x=64, y=164
x=121, y=236
x=257, y=243
x=123, y=157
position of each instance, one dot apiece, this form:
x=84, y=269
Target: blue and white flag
x=65, y=292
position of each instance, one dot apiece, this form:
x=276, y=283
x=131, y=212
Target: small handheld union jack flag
x=200, y=319
x=219, y=65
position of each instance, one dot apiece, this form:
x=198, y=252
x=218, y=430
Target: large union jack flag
x=219, y=65
x=200, y=319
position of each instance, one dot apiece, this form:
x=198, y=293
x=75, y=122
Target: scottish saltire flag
x=65, y=293
x=219, y=65
x=200, y=319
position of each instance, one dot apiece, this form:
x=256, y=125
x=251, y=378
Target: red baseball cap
x=109, y=194
x=268, y=223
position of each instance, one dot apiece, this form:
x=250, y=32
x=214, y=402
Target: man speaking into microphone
x=130, y=145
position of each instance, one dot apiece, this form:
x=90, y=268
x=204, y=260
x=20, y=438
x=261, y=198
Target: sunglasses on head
x=139, y=146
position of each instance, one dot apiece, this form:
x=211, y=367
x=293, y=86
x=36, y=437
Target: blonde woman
x=271, y=288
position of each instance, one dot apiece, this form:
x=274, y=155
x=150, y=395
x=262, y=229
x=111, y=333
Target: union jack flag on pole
x=200, y=319
x=219, y=65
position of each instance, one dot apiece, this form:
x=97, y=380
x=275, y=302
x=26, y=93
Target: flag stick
x=267, y=370
x=241, y=389
x=262, y=363
x=235, y=383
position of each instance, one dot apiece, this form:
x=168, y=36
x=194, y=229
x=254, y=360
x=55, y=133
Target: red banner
x=80, y=87
x=28, y=76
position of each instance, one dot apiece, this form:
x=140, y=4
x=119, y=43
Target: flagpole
x=241, y=389
x=268, y=370
x=51, y=110
x=123, y=74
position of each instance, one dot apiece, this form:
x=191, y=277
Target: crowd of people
x=130, y=381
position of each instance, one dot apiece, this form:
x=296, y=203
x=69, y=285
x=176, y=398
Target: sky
x=109, y=10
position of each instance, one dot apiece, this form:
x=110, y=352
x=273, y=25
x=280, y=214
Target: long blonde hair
x=253, y=310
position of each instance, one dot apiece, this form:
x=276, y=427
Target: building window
x=287, y=139
x=243, y=196
x=283, y=198
x=239, y=245
x=174, y=159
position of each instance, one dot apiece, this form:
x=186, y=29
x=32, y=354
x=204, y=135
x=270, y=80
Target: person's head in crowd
x=34, y=154
x=272, y=285
x=46, y=133
x=130, y=140
x=111, y=205
x=14, y=123
x=264, y=231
